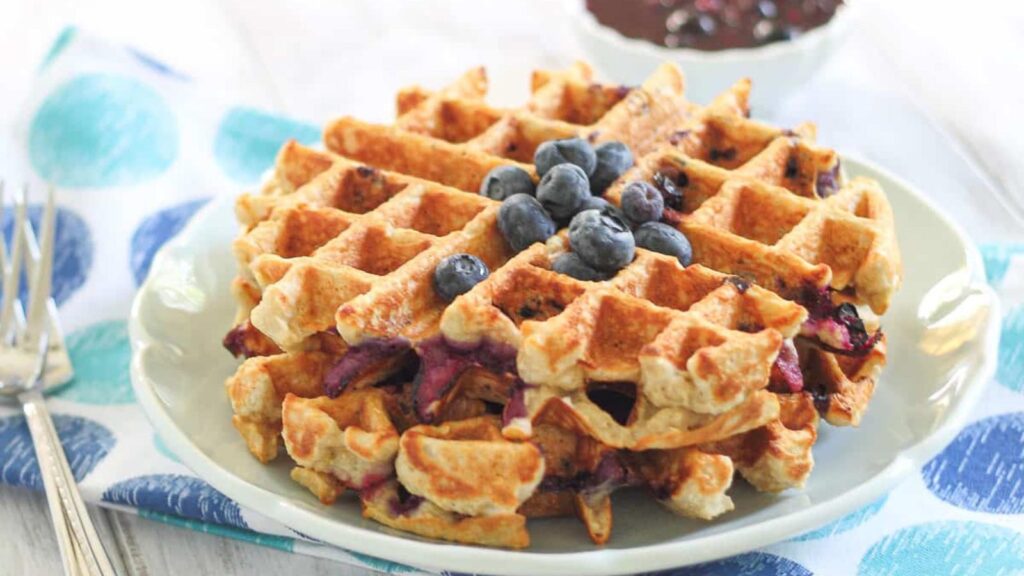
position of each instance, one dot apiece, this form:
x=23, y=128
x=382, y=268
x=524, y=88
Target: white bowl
x=943, y=332
x=777, y=69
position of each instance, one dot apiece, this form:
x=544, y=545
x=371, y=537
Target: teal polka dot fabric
x=247, y=141
x=846, y=523
x=119, y=134
x=102, y=130
x=946, y=548
x=100, y=354
x=1011, y=352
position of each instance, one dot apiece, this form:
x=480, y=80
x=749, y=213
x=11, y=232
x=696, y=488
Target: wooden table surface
x=316, y=60
x=139, y=547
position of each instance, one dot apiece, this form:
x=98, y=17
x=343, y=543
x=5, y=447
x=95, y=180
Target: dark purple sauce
x=358, y=359
x=609, y=475
x=405, y=374
x=234, y=341
x=516, y=406
x=820, y=396
x=371, y=481
x=404, y=503
x=442, y=361
x=559, y=483
x=672, y=196
x=786, y=375
x=838, y=329
x=827, y=182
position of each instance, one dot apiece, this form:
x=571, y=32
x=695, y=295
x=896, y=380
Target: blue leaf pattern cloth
x=113, y=140
x=177, y=495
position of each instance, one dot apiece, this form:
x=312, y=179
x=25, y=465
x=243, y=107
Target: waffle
x=536, y=394
x=349, y=439
x=670, y=331
x=782, y=241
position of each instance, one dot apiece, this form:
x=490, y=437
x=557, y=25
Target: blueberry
x=562, y=190
x=598, y=203
x=607, y=210
x=504, y=181
x=571, y=150
x=642, y=202
x=595, y=203
x=662, y=238
x=606, y=207
x=613, y=159
x=602, y=240
x=572, y=265
x=523, y=221
x=457, y=274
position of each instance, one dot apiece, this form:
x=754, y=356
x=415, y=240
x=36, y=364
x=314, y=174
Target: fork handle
x=81, y=549
x=44, y=450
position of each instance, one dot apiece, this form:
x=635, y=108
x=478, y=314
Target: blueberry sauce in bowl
x=712, y=25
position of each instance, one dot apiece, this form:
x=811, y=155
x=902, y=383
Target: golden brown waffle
x=662, y=376
x=467, y=468
x=776, y=456
x=389, y=504
x=670, y=332
x=258, y=388
x=782, y=241
x=350, y=438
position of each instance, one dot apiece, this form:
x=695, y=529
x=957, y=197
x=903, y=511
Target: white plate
x=943, y=337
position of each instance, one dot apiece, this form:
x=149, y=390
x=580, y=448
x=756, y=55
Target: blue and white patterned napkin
x=135, y=149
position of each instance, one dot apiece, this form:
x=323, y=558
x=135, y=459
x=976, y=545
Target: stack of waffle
x=537, y=394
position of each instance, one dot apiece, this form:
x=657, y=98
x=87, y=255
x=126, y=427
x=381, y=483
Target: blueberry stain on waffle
x=475, y=315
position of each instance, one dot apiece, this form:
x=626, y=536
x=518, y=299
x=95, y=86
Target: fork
x=33, y=356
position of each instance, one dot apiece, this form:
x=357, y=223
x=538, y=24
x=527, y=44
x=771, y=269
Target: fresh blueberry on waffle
x=478, y=315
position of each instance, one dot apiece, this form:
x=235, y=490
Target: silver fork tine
x=58, y=369
x=39, y=289
x=13, y=278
